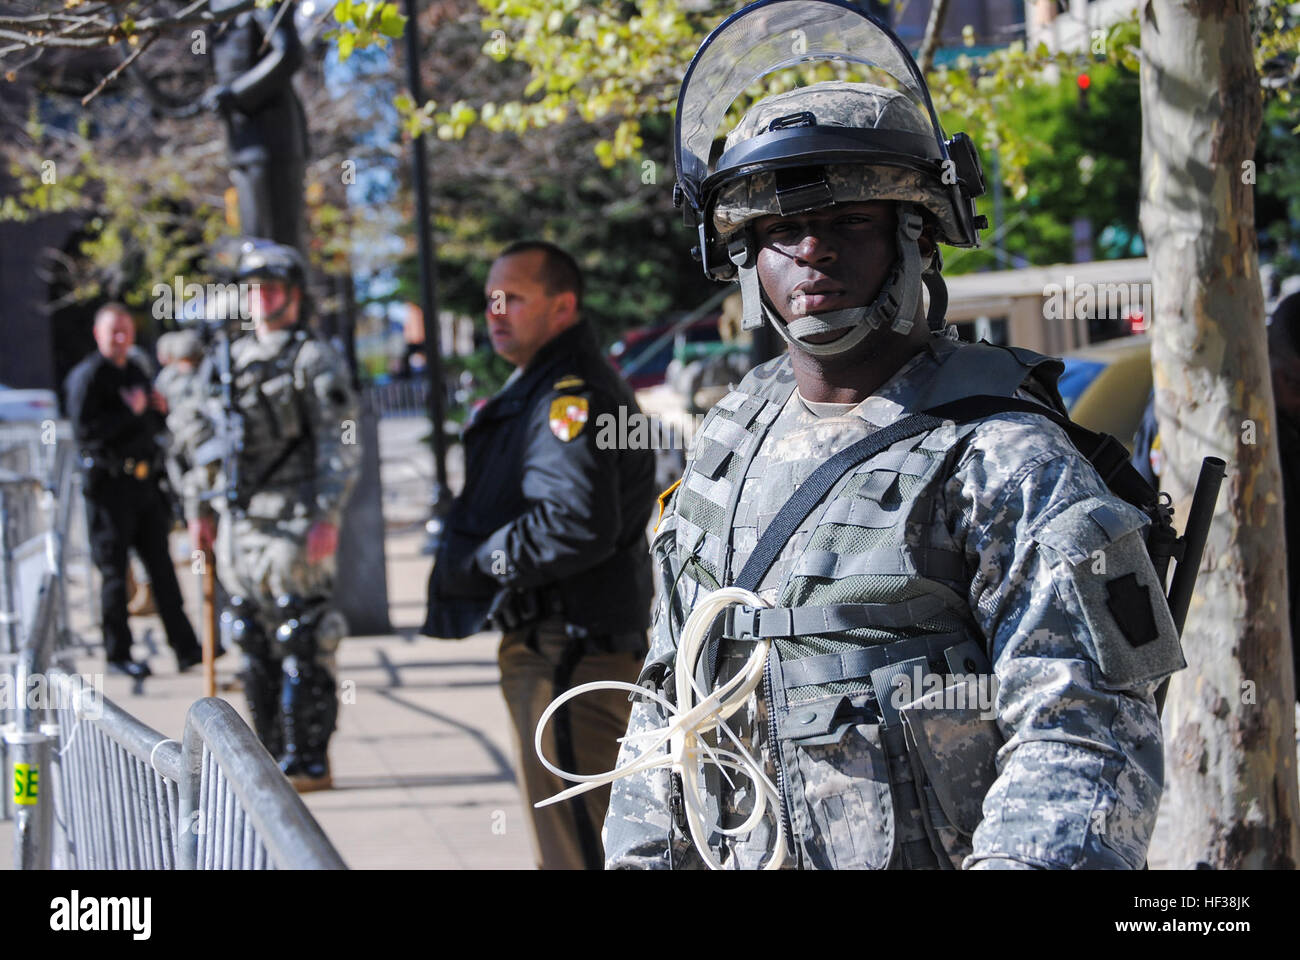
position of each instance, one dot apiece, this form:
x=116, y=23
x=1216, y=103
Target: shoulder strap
x=1108, y=455
x=810, y=493
x=983, y=369
x=1105, y=453
x=304, y=421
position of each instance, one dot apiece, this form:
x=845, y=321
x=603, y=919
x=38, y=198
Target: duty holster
x=514, y=610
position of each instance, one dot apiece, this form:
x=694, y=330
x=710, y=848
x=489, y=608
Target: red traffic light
x=1084, y=81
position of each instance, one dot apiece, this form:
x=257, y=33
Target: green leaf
x=343, y=11
x=391, y=23
x=346, y=42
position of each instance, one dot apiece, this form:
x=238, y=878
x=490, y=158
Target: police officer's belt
x=130, y=467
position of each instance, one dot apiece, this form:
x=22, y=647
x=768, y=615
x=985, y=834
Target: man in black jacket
x=116, y=415
x=547, y=541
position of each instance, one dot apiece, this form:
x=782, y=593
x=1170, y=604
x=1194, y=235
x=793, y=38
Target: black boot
x=309, y=707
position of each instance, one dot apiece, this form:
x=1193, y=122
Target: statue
x=255, y=56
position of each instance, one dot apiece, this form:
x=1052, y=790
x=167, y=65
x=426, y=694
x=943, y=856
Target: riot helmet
x=264, y=260
x=837, y=141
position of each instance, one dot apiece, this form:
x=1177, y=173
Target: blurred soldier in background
x=117, y=418
x=179, y=354
x=295, y=460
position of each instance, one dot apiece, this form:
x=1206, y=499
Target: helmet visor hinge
x=801, y=189
x=804, y=118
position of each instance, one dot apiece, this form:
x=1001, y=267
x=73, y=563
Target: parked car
x=650, y=370
x=19, y=406
x=1106, y=386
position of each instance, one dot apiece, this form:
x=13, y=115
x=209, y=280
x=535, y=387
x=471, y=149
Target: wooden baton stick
x=209, y=625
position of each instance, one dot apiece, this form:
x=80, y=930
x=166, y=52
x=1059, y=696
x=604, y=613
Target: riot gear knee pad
x=260, y=674
x=310, y=628
x=239, y=626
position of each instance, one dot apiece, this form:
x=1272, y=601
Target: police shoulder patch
x=569, y=381
x=567, y=417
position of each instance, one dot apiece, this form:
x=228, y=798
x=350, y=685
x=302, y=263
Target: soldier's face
x=521, y=316
x=114, y=335
x=826, y=259
x=274, y=304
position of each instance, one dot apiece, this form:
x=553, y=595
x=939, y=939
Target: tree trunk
x=933, y=33
x=1230, y=797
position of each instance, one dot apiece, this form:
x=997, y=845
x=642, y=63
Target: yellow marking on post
x=27, y=784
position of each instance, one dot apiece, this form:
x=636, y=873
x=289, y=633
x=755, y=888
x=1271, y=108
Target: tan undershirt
x=825, y=409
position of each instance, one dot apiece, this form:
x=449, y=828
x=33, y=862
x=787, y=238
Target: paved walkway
x=421, y=760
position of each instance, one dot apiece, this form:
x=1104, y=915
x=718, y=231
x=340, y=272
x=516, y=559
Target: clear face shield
x=772, y=36
x=820, y=148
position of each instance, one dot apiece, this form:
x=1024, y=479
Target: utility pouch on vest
x=840, y=801
x=952, y=741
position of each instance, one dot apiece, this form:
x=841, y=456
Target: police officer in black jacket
x=116, y=415
x=547, y=541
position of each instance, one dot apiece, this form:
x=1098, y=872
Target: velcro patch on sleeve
x=1130, y=604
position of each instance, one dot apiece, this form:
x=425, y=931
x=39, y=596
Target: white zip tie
x=683, y=733
x=154, y=751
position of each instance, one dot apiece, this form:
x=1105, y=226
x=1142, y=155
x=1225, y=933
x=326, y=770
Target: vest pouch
x=952, y=745
x=841, y=805
x=280, y=401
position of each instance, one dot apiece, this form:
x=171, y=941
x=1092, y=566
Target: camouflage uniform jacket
x=300, y=454
x=993, y=542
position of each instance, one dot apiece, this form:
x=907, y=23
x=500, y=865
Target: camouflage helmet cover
x=838, y=103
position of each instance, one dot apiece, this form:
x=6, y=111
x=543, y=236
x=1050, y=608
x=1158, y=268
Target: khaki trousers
x=539, y=663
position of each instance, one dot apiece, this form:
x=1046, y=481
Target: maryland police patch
x=568, y=417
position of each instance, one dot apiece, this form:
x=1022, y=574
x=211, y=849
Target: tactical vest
x=867, y=593
x=279, y=449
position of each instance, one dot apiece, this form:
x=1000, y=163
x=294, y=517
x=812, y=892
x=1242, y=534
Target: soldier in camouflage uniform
x=277, y=537
x=973, y=552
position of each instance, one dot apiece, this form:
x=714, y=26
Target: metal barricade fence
x=128, y=798
x=93, y=787
x=116, y=786
x=241, y=811
x=98, y=789
x=39, y=497
x=399, y=398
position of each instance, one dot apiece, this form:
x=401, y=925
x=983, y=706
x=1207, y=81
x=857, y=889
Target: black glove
x=219, y=98
x=513, y=610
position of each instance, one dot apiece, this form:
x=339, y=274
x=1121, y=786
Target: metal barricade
x=399, y=398
x=116, y=786
x=241, y=811
x=37, y=494
x=93, y=787
x=128, y=798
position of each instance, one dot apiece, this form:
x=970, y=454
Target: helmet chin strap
x=895, y=304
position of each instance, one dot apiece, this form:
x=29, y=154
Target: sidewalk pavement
x=423, y=775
